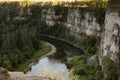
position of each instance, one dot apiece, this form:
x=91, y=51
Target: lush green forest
x=17, y=44
x=18, y=38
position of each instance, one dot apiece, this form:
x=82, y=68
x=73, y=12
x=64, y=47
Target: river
x=54, y=64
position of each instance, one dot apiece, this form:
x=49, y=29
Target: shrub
x=110, y=68
x=83, y=71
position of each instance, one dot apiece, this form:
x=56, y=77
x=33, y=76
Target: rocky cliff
x=109, y=57
x=83, y=21
x=78, y=20
x=110, y=44
x=48, y=15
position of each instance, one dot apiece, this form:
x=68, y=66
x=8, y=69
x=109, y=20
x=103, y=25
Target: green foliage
x=118, y=71
x=84, y=71
x=87, y=43
x=17, y=44
x=8, y=10
x=113, y=2
x=110, y=68
x=61, y=10
x=44, y=49
x=57, y=30
x=36, y=11
x=77, y=59
x=100, y=15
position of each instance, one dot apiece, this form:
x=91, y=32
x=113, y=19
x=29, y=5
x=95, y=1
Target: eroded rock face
x=110, y=44
x=73, y=19
x=4, y=74
x=91, y=25
x=48, y=15
x=78, y=20
x=83, y=22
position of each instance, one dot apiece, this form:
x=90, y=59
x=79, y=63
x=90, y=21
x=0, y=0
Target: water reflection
x=49, y=66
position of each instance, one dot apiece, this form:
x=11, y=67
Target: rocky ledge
x=5, y=75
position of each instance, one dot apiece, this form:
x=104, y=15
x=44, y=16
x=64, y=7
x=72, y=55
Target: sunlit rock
x=87, y=25
x=48, y=15
x=73, y=19
x=4, y=74
x=111, y=35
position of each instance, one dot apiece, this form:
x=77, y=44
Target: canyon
x=85, y=21
x=102, y=24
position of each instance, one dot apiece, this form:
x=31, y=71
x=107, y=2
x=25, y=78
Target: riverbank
x=61, y=39
x=67, y=49
x=88, y=44
x=53, y=50
x=46, y=48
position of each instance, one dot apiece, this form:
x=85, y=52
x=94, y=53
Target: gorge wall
x=85, y=21
x=82, y=21
x=78, y=21
x=110, y=43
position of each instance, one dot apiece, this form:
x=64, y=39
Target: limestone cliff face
x=83, y=22
x=73, y=20
x=78, y=21
x=110, y=43
x=48, y=15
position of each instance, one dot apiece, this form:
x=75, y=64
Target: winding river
x=54, y=63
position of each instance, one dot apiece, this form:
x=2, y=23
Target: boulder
x=4, y=75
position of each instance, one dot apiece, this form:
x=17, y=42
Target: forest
x=18, y=40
